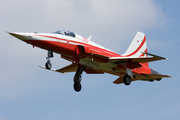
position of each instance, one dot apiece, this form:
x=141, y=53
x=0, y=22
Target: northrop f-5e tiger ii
x=92, y=58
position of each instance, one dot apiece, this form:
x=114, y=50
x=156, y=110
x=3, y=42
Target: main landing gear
x=48, y=64
x=77, y=79
x=127, y=79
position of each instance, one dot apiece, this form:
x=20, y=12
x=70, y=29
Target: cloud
x=113, y=24
x=104, y=13
x=27, y=90
x=104, y=19
x=110, y=22
x=171, y=111
x=3, y=117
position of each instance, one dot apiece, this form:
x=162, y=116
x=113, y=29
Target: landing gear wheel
x=77, y=86
x=48, y=65
x=127, y=80
x=77, y=78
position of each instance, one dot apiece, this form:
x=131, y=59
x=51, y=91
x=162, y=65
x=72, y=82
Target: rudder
x=137, y=46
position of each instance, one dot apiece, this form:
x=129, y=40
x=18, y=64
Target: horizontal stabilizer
x=155, y=76
x=156, y=56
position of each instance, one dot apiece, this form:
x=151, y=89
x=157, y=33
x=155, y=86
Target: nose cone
x=21, y=36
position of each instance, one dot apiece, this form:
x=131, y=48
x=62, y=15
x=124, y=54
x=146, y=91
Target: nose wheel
x=48, y=64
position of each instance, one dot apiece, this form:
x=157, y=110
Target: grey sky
x=29, y=92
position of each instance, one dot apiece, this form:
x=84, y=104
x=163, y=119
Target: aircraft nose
x=21, y=36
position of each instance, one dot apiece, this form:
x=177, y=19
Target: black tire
x=77, y=86
x=48, y=65
x=127, y=80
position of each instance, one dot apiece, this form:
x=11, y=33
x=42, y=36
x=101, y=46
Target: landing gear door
x=129, y=72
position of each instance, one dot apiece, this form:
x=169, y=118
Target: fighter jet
x=85, y=55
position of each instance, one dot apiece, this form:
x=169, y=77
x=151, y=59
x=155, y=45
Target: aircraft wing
x=69, y=68
x=73, y=68
x=155, y=76
x=93, y=71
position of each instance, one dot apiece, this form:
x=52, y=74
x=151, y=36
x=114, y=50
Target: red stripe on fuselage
x=97, y=49
x=60, y=48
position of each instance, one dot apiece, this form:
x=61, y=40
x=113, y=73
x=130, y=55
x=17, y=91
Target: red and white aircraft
x=92, y=58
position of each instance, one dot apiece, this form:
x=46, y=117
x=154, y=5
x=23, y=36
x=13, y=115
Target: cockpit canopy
x=65, y=32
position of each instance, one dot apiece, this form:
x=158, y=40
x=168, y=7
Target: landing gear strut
x=48, y=64
x=77, y=79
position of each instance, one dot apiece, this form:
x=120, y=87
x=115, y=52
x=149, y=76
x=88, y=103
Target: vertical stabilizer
x=137, y=46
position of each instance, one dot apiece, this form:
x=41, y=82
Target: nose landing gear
x=48, y=64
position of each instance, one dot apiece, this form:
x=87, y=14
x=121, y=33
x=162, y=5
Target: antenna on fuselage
x=89, y=38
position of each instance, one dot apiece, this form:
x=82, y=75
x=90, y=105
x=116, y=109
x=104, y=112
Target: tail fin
x=137, y=46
